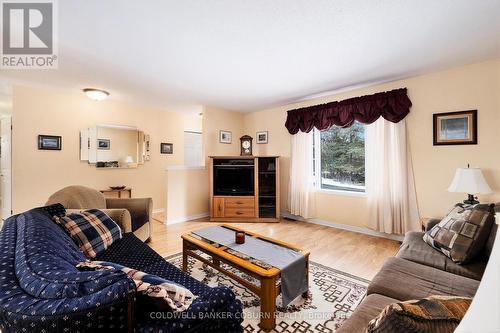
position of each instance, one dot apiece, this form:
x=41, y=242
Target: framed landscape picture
x=166, y=148
x=103, y=144
x=262, y=137
x=455, y=128
x=225, y=137
x=49, y=142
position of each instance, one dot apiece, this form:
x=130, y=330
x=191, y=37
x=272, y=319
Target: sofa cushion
x=120, y=215
x=370, y=308
x=440, y=314
x=415, y=249
x=405, y=280
x=462, y=234
x=92, y=230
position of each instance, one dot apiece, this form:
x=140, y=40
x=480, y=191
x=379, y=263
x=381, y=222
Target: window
x=340, y=158
x=193, y=149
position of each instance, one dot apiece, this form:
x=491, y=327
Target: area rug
x=333, y=296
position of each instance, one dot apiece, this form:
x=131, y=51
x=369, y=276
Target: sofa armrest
x=120, y=215
x=431, y=223
x=141, y=209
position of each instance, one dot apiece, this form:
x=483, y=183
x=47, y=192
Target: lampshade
x=469, y=180
x=129, y=159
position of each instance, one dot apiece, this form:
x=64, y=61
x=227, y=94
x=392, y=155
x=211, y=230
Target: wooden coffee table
x=269, y=288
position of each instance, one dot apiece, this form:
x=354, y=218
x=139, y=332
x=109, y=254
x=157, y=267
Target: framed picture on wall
x=225, y=137
x=262, y=137
x=455, y=128
x=147, y=147
x=166, y=148
x=103, y=144
x=49, y=142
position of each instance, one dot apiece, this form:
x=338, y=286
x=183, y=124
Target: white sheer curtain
x=390, y=185
x=301, y=191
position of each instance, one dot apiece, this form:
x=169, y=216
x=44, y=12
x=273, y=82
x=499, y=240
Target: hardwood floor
x=347, y=251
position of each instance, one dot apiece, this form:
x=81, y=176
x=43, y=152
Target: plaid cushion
x=462, y=234
x=171, y=295
x=434, y=314
x=92, y=230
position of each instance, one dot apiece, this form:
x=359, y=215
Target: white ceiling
x=248, y=55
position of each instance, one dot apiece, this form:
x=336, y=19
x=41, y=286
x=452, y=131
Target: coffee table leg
x=184, y=256
x=268, y=296
x=306, y=293
x=216, y=261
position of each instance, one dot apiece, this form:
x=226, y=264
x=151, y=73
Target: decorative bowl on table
x=117, y=188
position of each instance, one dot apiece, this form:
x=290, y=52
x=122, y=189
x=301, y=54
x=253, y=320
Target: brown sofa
x=131, y=214
x=418, y=271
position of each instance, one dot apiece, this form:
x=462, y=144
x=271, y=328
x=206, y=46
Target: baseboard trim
x=158, y=210
x=186, y=218
x=352, y=228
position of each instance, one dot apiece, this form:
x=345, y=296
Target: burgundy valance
x=393, y=105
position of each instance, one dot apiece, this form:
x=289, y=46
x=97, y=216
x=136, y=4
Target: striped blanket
x=175, y=296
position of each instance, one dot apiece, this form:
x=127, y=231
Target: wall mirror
x=114, y=146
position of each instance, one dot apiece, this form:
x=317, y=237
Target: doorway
x=6, y=167
x=5, y=155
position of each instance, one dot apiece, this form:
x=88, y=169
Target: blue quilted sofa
x=42, y=291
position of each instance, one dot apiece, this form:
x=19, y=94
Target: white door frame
x=6, y=167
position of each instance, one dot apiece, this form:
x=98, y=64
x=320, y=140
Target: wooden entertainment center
x=244, y=188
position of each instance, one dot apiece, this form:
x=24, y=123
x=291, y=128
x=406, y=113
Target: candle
x=240, y=237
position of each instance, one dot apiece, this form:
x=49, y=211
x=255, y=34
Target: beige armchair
x=132, y=214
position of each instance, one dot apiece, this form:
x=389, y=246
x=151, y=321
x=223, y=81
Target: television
x=234, y=178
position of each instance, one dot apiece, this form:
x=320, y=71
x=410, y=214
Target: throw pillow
x=162, y=293
x=462, y=234
x=432, y=314
x=92, y=230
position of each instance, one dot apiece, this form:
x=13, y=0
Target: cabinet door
x=218, y=207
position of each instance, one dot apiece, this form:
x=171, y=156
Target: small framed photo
x=262, y=137
x=49, y=142
x=103, y=144
x=455, y=128
x=166, y=148
x=225, y=137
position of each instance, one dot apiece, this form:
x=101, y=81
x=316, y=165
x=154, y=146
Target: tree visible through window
x=342, y=158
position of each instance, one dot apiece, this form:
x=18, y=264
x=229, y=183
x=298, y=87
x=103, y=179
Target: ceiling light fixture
x=96, y=94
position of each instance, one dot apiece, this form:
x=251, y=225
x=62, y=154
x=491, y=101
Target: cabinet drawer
x=240, y=202
x=239, y=212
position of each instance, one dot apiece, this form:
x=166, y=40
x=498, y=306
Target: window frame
x=317, y=167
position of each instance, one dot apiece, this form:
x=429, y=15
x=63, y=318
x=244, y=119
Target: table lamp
x=470, y=181
x=129, y=160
